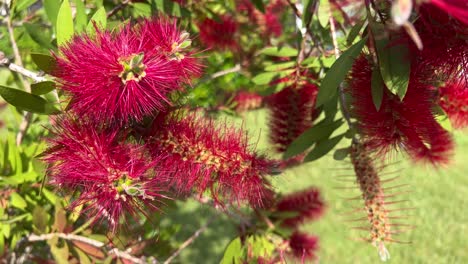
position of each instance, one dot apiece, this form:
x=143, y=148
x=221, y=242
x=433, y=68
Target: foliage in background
x=373, y=77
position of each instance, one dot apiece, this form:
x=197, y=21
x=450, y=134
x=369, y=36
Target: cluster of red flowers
x=437, y=77
x=292, y=111
x=219, y=34
x=267, y=22
x=308, y=206
x=244, y=101
x=101, y=149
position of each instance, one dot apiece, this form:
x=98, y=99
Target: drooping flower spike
x=201, y=156
x=219, y=34
x=308, y=204
x=112, y=178
x=126, y=74
x=454, y=101
x=303, y=246
x=407, y=125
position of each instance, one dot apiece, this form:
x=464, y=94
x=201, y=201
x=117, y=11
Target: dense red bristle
x=245, y=101
x=308, y=204
x=112, y=178
x=454, y=101
x=455, y=8
x=303, y=246
x=92, y=70
x=207, y=157
x=407, y=125
x=219, y=34
x=292, y=111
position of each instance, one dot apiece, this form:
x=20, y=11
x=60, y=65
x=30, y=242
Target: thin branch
x=118, y=7
x=98, y=244
x=341, y=88
x=234, y=69
x=188, y=241
x=19, y=69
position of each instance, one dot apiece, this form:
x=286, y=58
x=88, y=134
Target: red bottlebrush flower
x=408, y=125
x=219, y=34
x=372, y=193
x=268, y=23
x=115, y=77
x=292, y=111
x=303, y=246
x=445, y=41
x=113, y=179
x=308, y=204
x=245, y=101
x=163, y=36
x=454, y=101
x=456, y=8
x=203, y=156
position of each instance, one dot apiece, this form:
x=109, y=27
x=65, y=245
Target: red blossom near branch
x=456, y=8
x=454, y=101
x=112, y=179
x=445, y=40
x=203, y=156
x=407, y=125
x=219, y=34
x=163, y=36
x=292, y=111
x=303, y=246
x=308, y=204
x=245, y=101
x=268, y=23
x=118, y=77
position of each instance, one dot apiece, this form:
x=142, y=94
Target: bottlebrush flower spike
x=456, y=8
x=408, y=125
x=219, y=35
x=308, y=204
x=454, y=101
x=115, y=77
x=369, y=182
x=245, y=101
x=163, y=36
x=203, y=156
x=113, y=179
x=292, y=111
x=303, y=246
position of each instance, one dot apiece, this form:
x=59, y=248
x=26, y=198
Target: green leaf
x=393, y=61
x=29, y=102
x=264, y=78
x=42, y=87
x=39, y=220
x=354, y=32
x=259, y=5
x=60, y=220
x=377, y=87
x=100, y=18
x=50, y=196
x=45, y=62
x=280, y=51
x=322, y=148
x=81, y=19
x=141, y=10
x=341, y=154
x=36, y=33
x=307, y=14
x=324, y=12
x=169, y=7
x=338, y=72
x=316, y=133
x=17, y=201
x=64, y=26
x=21, y=5
x=280, y=66
x=51, y=8
x=233, y=252
x=60, y=254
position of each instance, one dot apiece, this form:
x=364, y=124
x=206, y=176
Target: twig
x=19, y=69
x=27, y=117
x=188, y=241
x=341, y=88
x=118, y=7
x=98, y=244
x=234, y=69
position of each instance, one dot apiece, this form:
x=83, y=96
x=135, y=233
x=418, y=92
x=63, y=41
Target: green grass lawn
x=439, y=198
